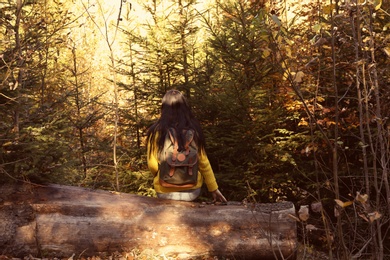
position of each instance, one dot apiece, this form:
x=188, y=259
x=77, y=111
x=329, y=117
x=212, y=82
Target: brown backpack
x=179, y=168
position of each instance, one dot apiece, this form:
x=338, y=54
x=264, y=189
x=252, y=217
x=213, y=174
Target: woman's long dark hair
x=177, y=114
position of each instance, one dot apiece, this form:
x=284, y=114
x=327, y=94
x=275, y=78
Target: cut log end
x=62, y=220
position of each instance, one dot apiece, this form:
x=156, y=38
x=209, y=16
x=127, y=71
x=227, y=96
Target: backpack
x=179, y=168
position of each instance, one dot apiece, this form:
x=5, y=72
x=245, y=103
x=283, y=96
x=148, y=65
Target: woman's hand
x=217, y=196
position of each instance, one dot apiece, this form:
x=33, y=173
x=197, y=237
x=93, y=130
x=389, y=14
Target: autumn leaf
x=311, y=227
x=377, y=4
x=343, y=204
x=361, y=198
x=317, y=27
x=298, y=78
x=293, y=217
x=387, y=51
x=328, y=9
x=363, y=217
x=374, y=216
x=266, y=53
x=303, y=122
x=371, y=216
x=303, y=213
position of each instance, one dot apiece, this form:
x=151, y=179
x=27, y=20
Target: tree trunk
x=54, y=220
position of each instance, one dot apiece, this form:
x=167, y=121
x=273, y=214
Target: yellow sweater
x=205, y=170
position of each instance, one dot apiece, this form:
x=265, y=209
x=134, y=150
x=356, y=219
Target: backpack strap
x=173, y=137
x=189, y=137
x=190, y=167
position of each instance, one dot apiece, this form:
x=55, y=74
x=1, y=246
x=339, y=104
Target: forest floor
x=302, y=254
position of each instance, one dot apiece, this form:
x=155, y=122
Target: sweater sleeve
x=152, y=159
x=207, y=172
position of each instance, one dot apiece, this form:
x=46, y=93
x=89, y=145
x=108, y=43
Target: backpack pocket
x=180, y=170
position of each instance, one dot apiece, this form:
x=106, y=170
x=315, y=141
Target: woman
x=176, y=113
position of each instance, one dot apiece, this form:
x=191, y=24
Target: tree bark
x=59, y=221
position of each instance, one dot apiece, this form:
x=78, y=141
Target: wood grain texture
x=62, y=220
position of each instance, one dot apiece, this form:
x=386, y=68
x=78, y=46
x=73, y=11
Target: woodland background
x=293, y=98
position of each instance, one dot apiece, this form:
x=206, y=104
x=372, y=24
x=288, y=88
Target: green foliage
x=40, y=156
x=240, y=108
x=292, y=110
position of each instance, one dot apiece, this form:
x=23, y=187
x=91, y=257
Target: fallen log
x=60, y=221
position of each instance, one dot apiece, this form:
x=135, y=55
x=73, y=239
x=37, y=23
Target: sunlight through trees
x=293, y=97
